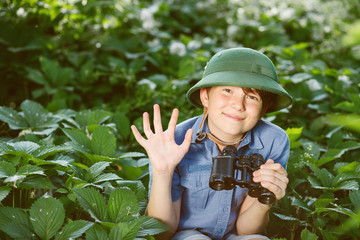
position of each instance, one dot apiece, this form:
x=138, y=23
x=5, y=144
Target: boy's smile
x=231, y=111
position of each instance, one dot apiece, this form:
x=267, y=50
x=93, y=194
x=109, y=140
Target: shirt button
x=225, y=209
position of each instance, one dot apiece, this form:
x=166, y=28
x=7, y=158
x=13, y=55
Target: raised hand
x=160, y=146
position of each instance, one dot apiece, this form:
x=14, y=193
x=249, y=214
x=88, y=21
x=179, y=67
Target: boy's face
x=231, y=111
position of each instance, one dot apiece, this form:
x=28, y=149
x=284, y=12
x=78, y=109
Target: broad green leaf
x=136, y=186
x=105, y=177
x=151, y=226
x=96, y=232
x=103, y=142
x=348, y=185
x=47, y=216
x=93, y=202
x=73, y=230
x=116, y=232
x=78, y=137
x=299, y=203
x=45, y=151
x=131, y=155
x=4, y=191
x=30, y=169
x=122, y=124
x=294, y=134
x=15, y=222
x=132, y=173
x=355, y=199
x=299, y=77
x=97, y=168
x=98, y=117
x=13, y=118
x=307, y=235
x=351, y=167
x=25, y=146
x=36, y=76
x=124, y=231
x=323, y=175
x=36, y=182
x=35, y=114
x=122, y=205
x=6, y=169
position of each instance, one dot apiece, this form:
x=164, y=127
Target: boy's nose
x=239, y=103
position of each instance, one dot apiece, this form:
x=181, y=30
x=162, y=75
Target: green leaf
x=294, y=134
x=132, y=173
x=98, y=117
x=73, y=230
x=96, y=232
x=45, y=151
x=151, y=226
x=355, y=199
x=35, y=114
x=307, y=235
x=122, y=205
x=11, y=117
x=131, y=155
x=30, y=169
x=97, y=168
x=78, y=137
x=136, y=186
x=6, y=169
x=105, y=177
x=124, y=231
x=93, y=202
x=47, y=216
x=4, y=191
x=25, y=146
x=122, y=124
x=15, y=222
x=36, y=181
x=103, y=142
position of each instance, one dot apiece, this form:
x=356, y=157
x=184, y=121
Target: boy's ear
x=204, y=97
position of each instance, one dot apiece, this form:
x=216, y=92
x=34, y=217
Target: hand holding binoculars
x=223, y=172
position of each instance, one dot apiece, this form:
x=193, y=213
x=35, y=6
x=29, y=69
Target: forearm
x=254, y=219
x=160, y=204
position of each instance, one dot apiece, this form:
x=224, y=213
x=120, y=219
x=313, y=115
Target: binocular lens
x=217, y=185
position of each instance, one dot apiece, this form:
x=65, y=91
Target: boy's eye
x=227, y=90
x=252, y=97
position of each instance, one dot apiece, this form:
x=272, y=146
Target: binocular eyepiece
x=223, y=172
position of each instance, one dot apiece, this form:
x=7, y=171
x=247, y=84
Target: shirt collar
x=252, y=139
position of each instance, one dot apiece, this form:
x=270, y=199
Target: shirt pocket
x=196, y=189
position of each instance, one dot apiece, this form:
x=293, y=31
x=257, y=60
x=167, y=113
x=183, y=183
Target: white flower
x=232, y=30
x=193, y=44
x=314, y=85
x=345, y=79
x=178, y=48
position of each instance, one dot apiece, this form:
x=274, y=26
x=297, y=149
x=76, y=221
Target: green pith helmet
x=241, y=67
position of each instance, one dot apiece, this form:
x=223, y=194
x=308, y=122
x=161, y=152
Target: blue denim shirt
x=211, y=212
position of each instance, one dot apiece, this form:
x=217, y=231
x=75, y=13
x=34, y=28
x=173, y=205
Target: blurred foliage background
x=115, y=58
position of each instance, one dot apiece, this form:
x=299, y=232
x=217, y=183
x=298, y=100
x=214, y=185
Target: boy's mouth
x=233, y=117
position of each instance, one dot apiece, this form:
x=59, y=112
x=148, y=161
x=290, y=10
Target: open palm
x=160, y=146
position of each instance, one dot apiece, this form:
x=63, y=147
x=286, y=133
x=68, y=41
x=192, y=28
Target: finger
x=157, y=119
x=274, y=166
x=137, y=135
x=173, y=121
x=187, y=140
x=146, y=124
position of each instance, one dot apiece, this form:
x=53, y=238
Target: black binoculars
x=223, y=172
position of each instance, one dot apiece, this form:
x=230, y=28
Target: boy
x=238, y=87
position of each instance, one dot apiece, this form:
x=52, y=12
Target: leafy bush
x=75, y=75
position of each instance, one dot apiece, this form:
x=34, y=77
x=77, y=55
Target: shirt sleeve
x=281, y=151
